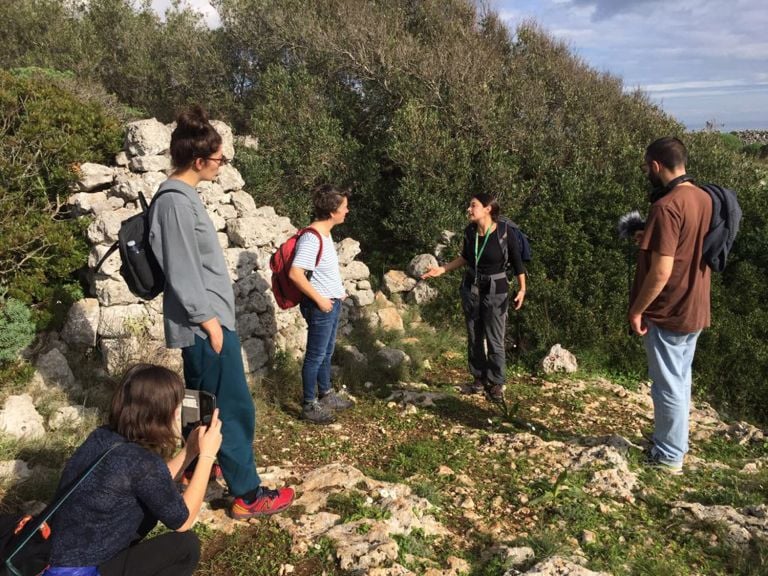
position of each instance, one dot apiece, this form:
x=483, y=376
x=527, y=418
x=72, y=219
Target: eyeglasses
x=223, y=161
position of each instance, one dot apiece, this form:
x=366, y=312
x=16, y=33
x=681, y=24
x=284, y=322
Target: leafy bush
x=45, y=132
x=17, y=330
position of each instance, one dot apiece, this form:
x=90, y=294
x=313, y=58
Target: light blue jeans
x=670, y=355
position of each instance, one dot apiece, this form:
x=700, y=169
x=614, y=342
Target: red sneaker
x=216, y=474
x=268, y=502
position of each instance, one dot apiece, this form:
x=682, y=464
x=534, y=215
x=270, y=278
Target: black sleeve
x=515, y=259
x=465, y=248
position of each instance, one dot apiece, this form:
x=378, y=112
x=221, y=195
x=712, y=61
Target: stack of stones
x=127, y=329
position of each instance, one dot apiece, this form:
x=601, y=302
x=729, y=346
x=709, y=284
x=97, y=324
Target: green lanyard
x=477, y=242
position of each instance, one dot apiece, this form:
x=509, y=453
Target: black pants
x=170, y=554
x=485, y=312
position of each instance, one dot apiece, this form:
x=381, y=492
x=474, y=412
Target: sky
x=700, y=60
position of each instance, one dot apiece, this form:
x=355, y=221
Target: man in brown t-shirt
x=669, y=302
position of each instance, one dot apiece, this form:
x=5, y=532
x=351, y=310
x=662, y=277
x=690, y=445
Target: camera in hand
x=197, y=408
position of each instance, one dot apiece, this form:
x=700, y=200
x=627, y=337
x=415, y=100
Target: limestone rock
x=391, y=358
x=55, y=370
x=81, y=327
x=93, y=202
x=110, y=266
x=119, y=321
x=353, y=355
x=390, y=320
x=244, y=204
x=355, y=270
x=94, y=176
x=741, y=525
x=347, y=250
x=255, y=355
x=362, y=297
x=227, y=139
x=229, y=178
x=154, y=163
x=559, y=360
x=19, y=419
x=13, y=471
x=420, y=264
x=112, y=292
x=422, y=293
x=398, y=281
x=128, y=187
x=66, y=416
x=557, y=566
x=147, y=137
x=104, y=228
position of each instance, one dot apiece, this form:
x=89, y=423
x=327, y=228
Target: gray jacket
x=197, y=283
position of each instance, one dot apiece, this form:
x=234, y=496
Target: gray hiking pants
x=485, y=311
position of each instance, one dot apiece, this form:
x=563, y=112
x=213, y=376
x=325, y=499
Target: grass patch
x=354, y=505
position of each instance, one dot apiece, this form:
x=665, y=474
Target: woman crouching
x=101, y=526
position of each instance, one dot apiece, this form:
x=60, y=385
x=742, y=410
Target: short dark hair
x=327, y=198
x=668, y=151
x=193, y=137
x=487, y=200
x=144, y=406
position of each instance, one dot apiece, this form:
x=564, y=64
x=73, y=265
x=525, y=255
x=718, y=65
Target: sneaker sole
x=246, y=515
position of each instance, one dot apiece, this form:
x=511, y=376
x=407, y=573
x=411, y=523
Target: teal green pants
x=223, y=375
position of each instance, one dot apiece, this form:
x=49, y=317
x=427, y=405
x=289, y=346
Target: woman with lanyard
x=489, y=244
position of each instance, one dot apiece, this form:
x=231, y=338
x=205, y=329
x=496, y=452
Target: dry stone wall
x=127, y=329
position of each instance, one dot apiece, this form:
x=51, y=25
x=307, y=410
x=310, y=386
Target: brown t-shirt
x=676, y=226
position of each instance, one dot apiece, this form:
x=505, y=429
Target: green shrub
x=45, y=132
x=17, y=330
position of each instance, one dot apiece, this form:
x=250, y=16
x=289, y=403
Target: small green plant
x=17, y=329
x=355, y=505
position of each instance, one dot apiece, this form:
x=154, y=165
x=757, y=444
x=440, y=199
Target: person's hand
x=193, y=441
x=212, y=327
x=637, y=324
x=519, y=298
x=637, y=237
x=209, y=440
x=325, y=304
x=433, y=272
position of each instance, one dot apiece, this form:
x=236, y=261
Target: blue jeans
x=321, y=340
x=670, y=355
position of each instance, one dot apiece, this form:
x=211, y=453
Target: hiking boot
x=216, y=474
x=495, y=392
x=476, y=387
x=334, y=401
x=316, y=413
x=265, y=503
x=671, y=468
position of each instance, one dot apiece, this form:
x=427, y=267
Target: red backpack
x=286, y=293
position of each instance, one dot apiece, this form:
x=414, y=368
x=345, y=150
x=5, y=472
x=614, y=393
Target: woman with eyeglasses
x=199, y=308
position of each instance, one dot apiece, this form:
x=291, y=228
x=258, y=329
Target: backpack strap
x=53, y=507
x=301, y=232
x=145, y=209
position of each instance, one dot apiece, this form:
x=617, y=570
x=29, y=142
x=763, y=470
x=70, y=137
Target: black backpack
x=726, y=217
x=139, y=267
x=523, y=241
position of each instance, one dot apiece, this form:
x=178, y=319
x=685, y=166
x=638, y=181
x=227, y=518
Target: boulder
x=19, y=419
x=420, y=264
x=390, y=320
x=559, y=360
x=255, y=355
x=66, y=416
x=347, y=250
x=81, y=327
x=229, y=178
x=392, y=358
x=119, y=321
x=14, y=471
x=355, y=270
x=227, y=139
x=93, y=203
x=422, y=293
x=54, y=369
x=154, y=163
x=128, y=187
x=94, y=176
x=244, y=204
x=396, y=281
x=147, y=137
x=111, y=292
x=104, y=229
x=557, y=566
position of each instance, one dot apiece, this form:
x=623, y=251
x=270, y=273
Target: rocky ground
x=430, y=482
x=418, y=479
